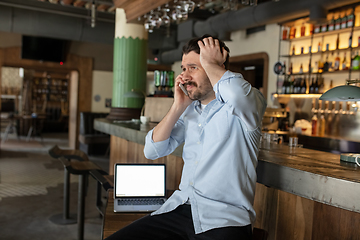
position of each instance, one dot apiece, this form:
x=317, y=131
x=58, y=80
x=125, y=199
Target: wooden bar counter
x=300, y=194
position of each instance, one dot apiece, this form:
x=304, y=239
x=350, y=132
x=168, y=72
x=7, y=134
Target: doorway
x=254, y=68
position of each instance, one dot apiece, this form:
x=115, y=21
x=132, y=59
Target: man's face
x=197, y=82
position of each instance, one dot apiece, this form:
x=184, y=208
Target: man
x=220, y=123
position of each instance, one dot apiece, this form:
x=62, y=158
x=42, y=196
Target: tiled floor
x=31, y=191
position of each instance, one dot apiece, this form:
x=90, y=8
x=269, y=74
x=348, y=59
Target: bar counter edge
x=311, y=174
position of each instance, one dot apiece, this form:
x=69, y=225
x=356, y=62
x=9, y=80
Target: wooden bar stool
x=81, y=168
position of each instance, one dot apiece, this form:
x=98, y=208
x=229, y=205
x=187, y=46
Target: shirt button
x=199, y=125
x=191, y=183
x=196, y=162
x=199, y=142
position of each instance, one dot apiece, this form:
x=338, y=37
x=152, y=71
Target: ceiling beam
x=136, y=8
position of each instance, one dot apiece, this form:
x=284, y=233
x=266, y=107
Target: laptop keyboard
x=147, y=201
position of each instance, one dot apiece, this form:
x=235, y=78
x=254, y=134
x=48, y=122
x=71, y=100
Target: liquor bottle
x=344, y=65
x=301, y=68
x=291, y=85
x=332, y=24
x=324, y=27
x=355, y=61
x=284, y=69
x=338, y=22
x=317, y=28
x=331, y=84
x=311, y=29
x=303, y=86
x=284, y=86
x=319, y=47
x=312, y=86
x=321, y=86
x=296, y=86
x=320, y=66
x=316, y=68
x=290, y=69
x=350, y=40
x=343, y=21
x=292, y=32
x=302, y=30
x=337, y=42
x=293, y=50
x=350, y=19
x=285, y=33
x=316, y=85
x=337, y=62
x=326, y=65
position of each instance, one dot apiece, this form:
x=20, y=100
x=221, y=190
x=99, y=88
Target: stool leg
x=66, y=193
x=81, y=205
x=65, y=218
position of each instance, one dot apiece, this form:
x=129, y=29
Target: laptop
x=139, y=187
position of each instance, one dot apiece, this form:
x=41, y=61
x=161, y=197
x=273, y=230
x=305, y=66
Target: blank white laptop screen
x=140, y=180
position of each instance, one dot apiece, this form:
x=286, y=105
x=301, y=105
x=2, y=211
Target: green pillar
x=130, y=66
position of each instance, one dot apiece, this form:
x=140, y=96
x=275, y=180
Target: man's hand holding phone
x=181, y=95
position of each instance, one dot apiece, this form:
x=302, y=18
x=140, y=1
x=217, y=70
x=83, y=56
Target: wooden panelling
x=287, y=216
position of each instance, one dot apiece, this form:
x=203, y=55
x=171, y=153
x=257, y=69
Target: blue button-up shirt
x=219, y=154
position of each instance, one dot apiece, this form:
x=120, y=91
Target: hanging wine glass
x=191, y=6
x=157, y=21
x=148, y=24
x=245, y=2
x=165, y=17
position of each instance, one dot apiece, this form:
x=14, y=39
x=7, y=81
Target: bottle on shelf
x=324, y=27
x=284, y=86
x=292, y=32
x=337, y=42
x=344, y=65
x=311, y=29
x=331, y=26
x=320, y=66
x=291, y=85
x=326, y=65
x=312, y=86
x=355, y=61
x=293, y=50
x=290, y=68
x=302, y=30
x=321, y=86
x=319, y=47
x=285, y=33
x=303, y=86
x=337, y=21
x=343, y=21
x=301, y=69
x=317, y=28
x=331, y=84
x=350, y=19
x=296, y=86
x=284, y=69
x=316, y=86
x=337, y=62
x=350, y=40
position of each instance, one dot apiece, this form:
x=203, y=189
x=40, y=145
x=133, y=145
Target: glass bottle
x=303, y=86
x=350, y=40
x=337, y=42
x=332, y=24
x=285, y=33
x=293, y=50
x=292, y=32
x=301, y=68
x=312, y=86
x=284, y=86
x=350, y=19
x=302, y=30
x=344, y=65
x=344, y=21
x=316, y=85
x=337, y=22
x=337, y=62
x=355, y=61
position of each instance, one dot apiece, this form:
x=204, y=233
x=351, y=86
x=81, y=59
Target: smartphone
x=183, y=88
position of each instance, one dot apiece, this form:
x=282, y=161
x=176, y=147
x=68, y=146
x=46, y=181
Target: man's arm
x=163, y=130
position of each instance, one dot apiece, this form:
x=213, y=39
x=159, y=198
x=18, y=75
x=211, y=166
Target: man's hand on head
x=210, y=53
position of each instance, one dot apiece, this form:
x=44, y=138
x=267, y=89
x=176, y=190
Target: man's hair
x=192, y=45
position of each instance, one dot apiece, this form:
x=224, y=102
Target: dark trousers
x=177, y=225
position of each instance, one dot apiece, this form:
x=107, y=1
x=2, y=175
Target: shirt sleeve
x=246, y=102
x=154, y=150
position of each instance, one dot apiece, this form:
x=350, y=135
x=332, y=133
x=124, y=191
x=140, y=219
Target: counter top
x=316, y=175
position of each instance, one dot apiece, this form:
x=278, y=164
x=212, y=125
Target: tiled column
x=130, y=66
